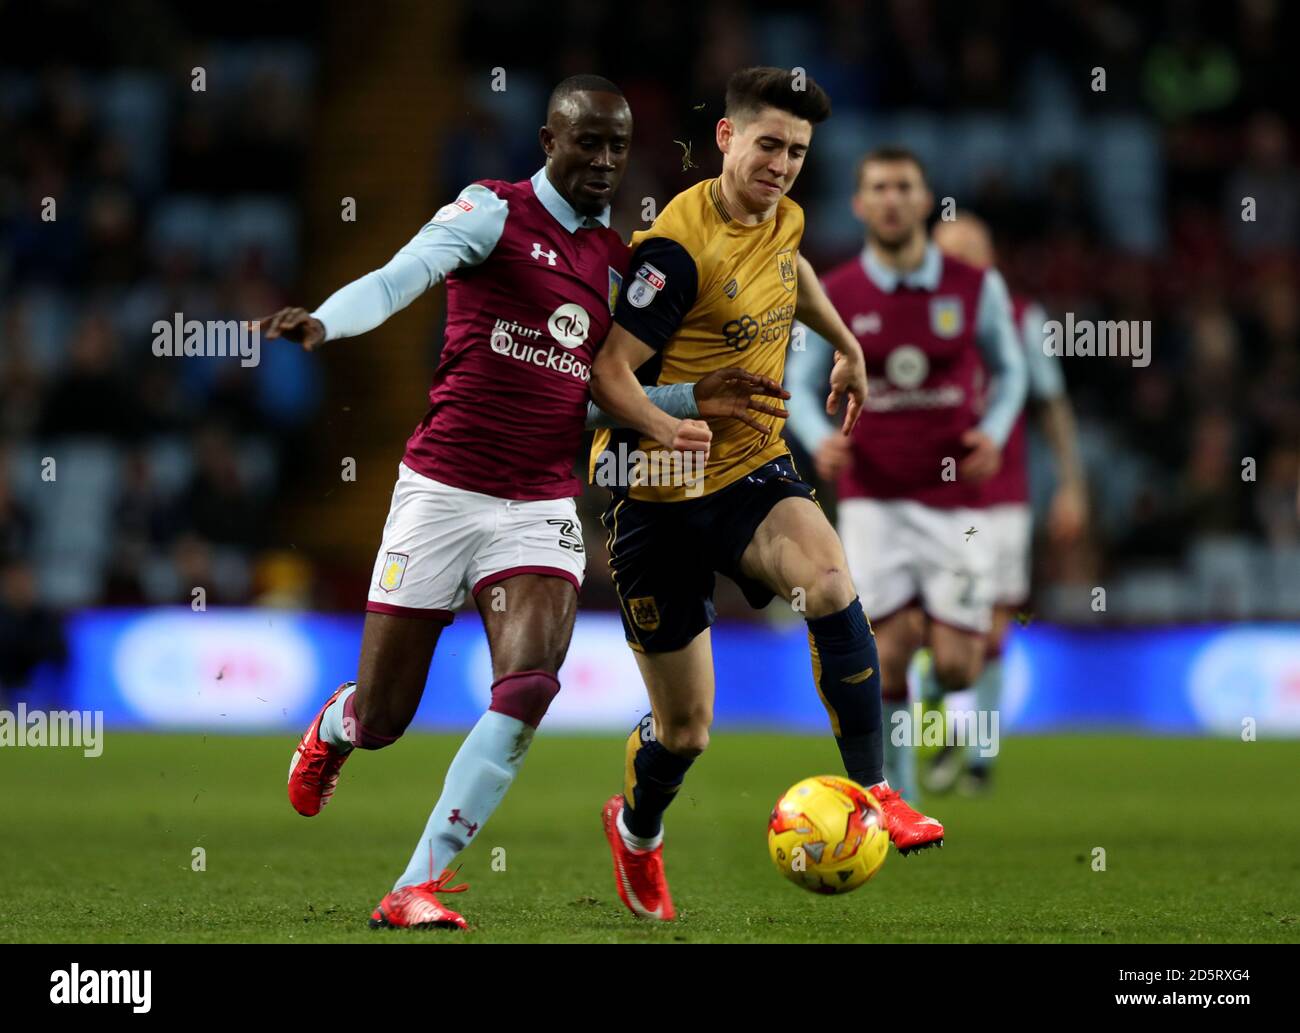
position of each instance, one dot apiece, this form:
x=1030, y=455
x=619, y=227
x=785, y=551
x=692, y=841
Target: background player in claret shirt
x=911, y=476
x=718, y=278
x=484, y=494
x=1007, y=519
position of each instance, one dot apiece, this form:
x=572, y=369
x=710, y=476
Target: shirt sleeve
x=462, y=233
x=995, y=334
x=1046, y=379
x=807, y=377
x=661, y=289
x=674, y=399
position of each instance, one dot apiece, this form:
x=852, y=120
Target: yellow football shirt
x=708, y=292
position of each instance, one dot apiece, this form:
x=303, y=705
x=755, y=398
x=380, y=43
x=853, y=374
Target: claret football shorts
x=442, y=544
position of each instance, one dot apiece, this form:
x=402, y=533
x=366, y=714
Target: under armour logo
x=539, y=253
x=456, y=819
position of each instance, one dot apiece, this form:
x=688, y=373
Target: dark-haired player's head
x=587, y=137
x=893, y=197
x=966, y=236
x=766, y=131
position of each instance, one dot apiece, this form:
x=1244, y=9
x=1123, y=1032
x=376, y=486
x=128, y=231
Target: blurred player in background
x=1007, y=518
x=719, y=278
x=485, y=492
x=911, y=476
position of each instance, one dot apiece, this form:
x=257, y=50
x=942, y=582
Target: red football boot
x=314, y=770
x=638, y=874
x=418, y=907
x=909, y=830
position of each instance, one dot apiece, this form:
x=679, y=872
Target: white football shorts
x=902, y=553
x=1010, y=528
x=442, y=544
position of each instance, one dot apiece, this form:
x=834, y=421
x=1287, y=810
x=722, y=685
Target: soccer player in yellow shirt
x=718, y=281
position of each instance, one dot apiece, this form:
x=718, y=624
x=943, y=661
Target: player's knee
x=996, y=639
x=956, y=673
x=524, y=695
x=829, y=591
x=893, y=681
x=687, y=738
x=894, y=662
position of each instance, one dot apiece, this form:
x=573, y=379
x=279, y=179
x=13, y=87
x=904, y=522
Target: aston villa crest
x=946, y=317
x=615, y=285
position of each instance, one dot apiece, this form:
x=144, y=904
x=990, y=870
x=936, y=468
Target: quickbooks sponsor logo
x=503, y=342
x=95, y=986
x=569, y=325
x=886, y=399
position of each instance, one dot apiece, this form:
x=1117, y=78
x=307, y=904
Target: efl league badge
x=615, y=285
x=785, y=263
x=394, y=571
x=945, y=317
x=649, y=282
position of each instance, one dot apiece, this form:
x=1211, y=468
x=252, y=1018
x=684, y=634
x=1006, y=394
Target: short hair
x=890, y=153
x=752, y=89
x=566, y=88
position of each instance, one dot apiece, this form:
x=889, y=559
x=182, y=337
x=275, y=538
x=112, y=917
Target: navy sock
x=653, y=777
x=846, y=668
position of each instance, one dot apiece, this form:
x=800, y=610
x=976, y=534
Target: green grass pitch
x=1201, y=838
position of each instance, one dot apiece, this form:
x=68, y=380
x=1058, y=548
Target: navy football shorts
x=664, y=555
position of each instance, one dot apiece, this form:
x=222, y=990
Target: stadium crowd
x=1136, y=162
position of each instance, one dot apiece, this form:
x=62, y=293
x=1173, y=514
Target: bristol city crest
x=785, y=266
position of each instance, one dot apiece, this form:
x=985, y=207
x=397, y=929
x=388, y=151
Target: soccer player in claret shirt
x=1006, y=520
x=717, y=279
x=485, y=491
x=911, y=476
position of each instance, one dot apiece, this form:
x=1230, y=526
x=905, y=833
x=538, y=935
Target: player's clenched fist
x=833, y=457
x=294, y=324
x=983, y=459
x=692, y=436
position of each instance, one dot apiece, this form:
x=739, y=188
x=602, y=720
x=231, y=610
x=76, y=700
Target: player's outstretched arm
x=353, y=310
x=616, y=390
x=849, y=374
x=460, y=234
